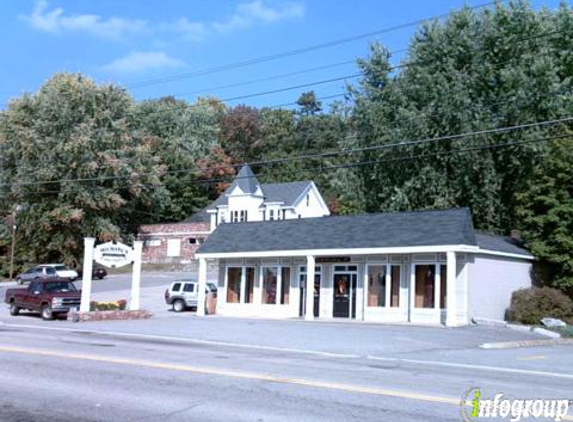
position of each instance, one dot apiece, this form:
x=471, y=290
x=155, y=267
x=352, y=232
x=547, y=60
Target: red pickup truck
x=49, y=297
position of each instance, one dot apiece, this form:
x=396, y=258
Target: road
x=178, y=367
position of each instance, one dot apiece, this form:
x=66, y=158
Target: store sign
x=328, y=259
x=113, y=255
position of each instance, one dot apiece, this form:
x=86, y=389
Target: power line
x=399, y=144
x=348, y=165
x=184, y=106
x=271, y=57
x=269, y=78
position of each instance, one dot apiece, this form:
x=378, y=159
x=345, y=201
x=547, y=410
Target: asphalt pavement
x=179, y=367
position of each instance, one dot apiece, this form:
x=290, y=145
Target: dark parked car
x=49, y=297
x=97, y=272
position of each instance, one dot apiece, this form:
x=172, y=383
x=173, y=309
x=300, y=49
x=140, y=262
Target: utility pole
x=15, y=211
x=14, y=228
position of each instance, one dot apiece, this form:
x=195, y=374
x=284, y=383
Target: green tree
x=309, y=104
x=74, y=129
x=546, y=214
x=475, y=70
x=179, y=134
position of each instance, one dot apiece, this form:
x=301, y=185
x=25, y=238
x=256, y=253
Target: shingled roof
x=286, y=193
x=381, y=230
x=500, y=244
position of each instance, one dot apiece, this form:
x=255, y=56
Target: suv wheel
x=14, y=310
x=178, y=305
x=47, y=314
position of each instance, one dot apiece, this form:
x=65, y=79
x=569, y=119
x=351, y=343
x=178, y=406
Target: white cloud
x=140, y=61
x=257, y=11
x=56, y=20
x=194, y=31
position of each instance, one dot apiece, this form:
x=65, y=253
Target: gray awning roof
x=381, y=230
x=505, y=244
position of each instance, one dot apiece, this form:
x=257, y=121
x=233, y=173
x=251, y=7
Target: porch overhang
x=344, y=252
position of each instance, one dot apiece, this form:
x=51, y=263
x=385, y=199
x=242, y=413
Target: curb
x=527, y=343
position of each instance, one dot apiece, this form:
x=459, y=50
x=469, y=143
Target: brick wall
x=156, y=238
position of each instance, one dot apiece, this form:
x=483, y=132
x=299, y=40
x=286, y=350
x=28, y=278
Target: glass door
x=344, y=304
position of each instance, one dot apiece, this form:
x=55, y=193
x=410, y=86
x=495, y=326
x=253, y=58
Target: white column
x=310, y=264
x=87, y=274
x=387, y=282
x=136, y=277
x=412, y=293
x=437, y=286
x=202, y=286
x=243, y=286
x=452, y=309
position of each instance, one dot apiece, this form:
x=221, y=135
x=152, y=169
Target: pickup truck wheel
x=47, y=314
x=14, y=310
x=178, y=305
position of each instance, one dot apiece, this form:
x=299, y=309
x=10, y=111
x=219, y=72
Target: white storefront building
x=420, y=267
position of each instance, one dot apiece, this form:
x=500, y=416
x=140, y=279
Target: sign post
x=87, y=274
x=136, y=278
x=111, y=255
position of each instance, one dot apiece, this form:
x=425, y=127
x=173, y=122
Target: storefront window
x=250, y=286
x=234, y=276
x=443, y=286
x=285, y=285
x=425, y=284
x=270, y=283
x=377, y=285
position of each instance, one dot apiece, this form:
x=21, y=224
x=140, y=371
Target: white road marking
x=303, y=351
x=476, y=367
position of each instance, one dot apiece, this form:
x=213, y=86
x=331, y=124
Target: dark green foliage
x=529, y=306
x=475, y=71
x=546, y=214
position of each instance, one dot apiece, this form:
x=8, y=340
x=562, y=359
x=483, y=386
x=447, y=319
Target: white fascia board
x=211, y=211
x=177, y=233
x=506, y=254
x=342, y=252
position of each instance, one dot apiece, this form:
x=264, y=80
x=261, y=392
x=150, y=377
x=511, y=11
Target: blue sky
x=132, y=41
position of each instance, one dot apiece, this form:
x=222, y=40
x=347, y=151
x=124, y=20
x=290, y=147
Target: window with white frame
x=383, y=285
x=173, y=247
x=243, y=216
x=276, y=285
x=240, y=284
x=153, y=242
x=271, y=214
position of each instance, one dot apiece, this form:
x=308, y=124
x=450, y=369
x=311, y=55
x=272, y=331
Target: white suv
x=182, y=294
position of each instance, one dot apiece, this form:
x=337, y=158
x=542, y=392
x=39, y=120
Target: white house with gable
x=244, y=200
x=248, y=200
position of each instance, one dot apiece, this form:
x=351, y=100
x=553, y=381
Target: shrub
x=528, y=306
x=120, y=305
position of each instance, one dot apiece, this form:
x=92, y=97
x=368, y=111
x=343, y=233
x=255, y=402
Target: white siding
x=492, y=280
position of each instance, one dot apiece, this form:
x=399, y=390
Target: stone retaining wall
x=108, y=315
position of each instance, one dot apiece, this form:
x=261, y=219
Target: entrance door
x=302, y=311
x=344, y=296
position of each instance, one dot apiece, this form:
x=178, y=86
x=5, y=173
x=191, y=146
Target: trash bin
x=211, y=303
